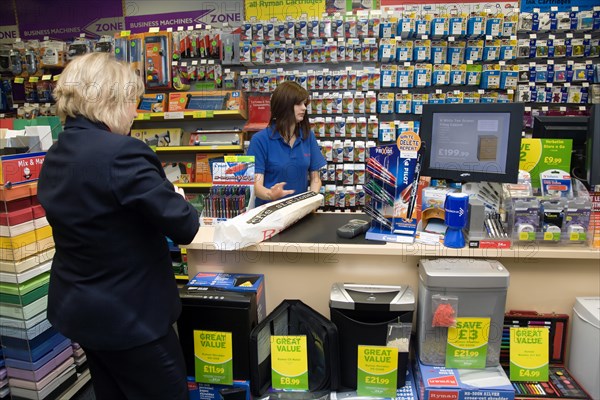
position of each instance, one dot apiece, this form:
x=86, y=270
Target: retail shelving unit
x=38, y=362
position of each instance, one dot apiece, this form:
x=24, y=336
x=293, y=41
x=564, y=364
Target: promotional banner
x=65, y=19
x=213, y=355
x=529, y=354
x=377, y=371
x=561, y=5
x=289, y=363
x=468, y=343
x=446, y=6
x=8, y=23
x=263, y=10
x=140, y=15
x=342, y=6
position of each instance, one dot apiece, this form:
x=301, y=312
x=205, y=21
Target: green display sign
x=540, y=155
x=467, y=343
x=289, y=363
x=213, y=357
x=529, y=354
x=377, y=373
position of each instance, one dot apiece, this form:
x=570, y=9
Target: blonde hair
x=100, y=88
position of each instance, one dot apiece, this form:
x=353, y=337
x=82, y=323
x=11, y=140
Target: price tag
x=526, y=236
x=577, y=236
x=55, y=77
x=33, y=79
x=199, y=114
x=377, y=372
x=289, y=362
x=125, y=33
x=46, y=77
x=213, y=359
x=468, y=343
x=529, y=348
x=19, y=79
x=174, y=115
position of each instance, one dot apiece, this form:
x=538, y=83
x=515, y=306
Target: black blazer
x=110, y=207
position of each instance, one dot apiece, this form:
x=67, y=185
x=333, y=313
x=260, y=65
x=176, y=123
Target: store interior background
x=545, y=281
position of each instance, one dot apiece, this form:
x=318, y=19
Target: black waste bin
x=362, y=314
x=222, y=311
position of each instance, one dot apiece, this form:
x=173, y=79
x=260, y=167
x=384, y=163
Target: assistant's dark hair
x=284, y=98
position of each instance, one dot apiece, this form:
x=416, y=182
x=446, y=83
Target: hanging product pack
x=292, y=317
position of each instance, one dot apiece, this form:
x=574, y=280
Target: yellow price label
x=549, y=236
x=577, y=237
x=33, y=79
x=125, y=33
x=523, y=236
x=199, y=114
x=19, y=80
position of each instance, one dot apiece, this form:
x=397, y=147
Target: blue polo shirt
x=279, y=162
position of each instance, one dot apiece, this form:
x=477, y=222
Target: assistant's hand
x=277, y=191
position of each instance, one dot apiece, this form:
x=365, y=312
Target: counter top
x=315, y=234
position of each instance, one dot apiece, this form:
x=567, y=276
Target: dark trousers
x=155, y=370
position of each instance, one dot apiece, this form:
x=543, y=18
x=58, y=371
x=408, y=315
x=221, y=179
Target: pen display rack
x=232, y=191
x=391, y=191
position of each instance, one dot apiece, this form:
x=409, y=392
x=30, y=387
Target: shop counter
x=303, y=261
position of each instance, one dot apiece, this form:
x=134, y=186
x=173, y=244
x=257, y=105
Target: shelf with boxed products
x=194, y=185
x=196, y=114
x=188, y=149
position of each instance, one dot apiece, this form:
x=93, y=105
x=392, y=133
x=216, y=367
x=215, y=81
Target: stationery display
x=559, y=382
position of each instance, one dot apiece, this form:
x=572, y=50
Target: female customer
x=112, y=287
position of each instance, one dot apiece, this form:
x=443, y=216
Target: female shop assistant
x=286, y=151
x=112, y=287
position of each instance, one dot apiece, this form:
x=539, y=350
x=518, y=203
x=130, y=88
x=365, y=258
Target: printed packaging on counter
x=264, y=222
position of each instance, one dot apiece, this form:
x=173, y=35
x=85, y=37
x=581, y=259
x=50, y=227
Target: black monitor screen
x=561, y=127
x=472, y=142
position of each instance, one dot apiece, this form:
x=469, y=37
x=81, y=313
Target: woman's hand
x=277, y=191
x=179, y=191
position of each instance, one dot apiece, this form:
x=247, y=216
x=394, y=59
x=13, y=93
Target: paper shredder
x=222, y=311
x=361, y=313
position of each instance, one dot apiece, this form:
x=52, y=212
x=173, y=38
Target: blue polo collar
x=273, y=135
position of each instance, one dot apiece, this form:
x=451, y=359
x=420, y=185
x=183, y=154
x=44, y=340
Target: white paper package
x=265, y=221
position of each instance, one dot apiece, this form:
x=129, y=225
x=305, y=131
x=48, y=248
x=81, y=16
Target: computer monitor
x=566, y=127
x=593, y=147
x=472, y=142
x=561, y=127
